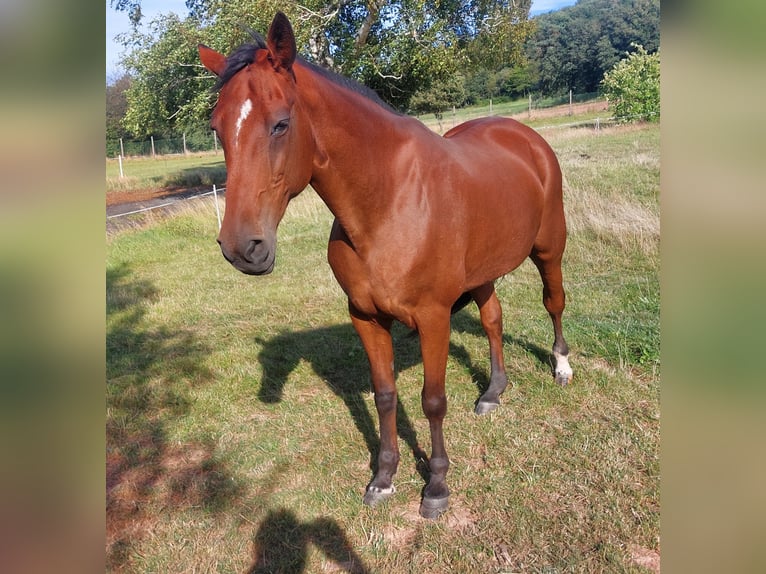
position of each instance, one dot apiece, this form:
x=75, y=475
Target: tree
x=515, y=82
x=633, y=86
x=503, y=29
x=168, y=91
x=116, y=107
x=574, y=47
x=396, y=47
x=132, y=7
x=407, y=48
x=440, y=96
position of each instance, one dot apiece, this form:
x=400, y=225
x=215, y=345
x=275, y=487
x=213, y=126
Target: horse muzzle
x=254, y=256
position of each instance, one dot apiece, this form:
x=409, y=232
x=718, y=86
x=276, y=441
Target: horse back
x=512, y=138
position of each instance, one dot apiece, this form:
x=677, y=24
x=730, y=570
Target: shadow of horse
x=465, y=322
x=337, y=356
x=281, y=542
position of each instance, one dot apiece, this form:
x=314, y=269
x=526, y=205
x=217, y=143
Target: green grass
x=241, y=427
x=166, y=171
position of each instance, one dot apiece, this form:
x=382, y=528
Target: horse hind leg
x=554, y=299
x=491, y=314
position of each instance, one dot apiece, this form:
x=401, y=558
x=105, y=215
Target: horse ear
x=281, y=43
x=211, y=59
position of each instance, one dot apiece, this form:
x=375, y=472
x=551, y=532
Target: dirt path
x=120, y=203
x=130, y=210
x=556, y=111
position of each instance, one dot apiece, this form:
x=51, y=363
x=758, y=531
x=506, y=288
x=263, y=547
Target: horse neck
x=357, y=141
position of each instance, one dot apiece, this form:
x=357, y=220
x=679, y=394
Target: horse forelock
x=240, y=58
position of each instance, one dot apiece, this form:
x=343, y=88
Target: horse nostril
x=253, y=246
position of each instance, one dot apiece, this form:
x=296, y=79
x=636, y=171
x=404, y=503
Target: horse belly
x=490, y=261
x=504, y=220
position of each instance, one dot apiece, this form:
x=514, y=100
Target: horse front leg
x=376, y=339
x=434, y=346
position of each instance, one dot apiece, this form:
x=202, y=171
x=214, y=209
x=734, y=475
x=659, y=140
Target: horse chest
x=374, y=285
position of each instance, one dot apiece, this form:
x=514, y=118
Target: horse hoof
x=563, y=378
x=375, y=495
x=433, y=508
x=482, y=408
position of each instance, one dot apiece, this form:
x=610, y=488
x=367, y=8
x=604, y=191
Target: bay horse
x=423, y=224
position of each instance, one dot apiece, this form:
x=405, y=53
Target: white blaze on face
x=244, y=111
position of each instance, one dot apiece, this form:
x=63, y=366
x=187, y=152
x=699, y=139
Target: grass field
x=167, y=171
x=241, y=429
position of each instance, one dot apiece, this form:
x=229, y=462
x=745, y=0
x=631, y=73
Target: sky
x=118, y=22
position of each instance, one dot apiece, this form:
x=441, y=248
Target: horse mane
x=245, y=55
x=350, y=84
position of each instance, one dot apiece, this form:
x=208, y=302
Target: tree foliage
x=397, y=47
x=507, y=83
x=502, y=30
x=440, y=96
x=167, y=90
x=417, y=54
x=116, y=107
x=574, y=47
x=633, y=86
x=131, y=7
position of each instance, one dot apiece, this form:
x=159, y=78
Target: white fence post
x=119, y=158
x=217, y=209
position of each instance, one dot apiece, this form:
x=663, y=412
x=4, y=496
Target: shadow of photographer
x=282, y=544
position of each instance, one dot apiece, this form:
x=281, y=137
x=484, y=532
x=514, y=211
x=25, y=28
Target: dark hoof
x=376, y=495
x=433, y=508
x=482, y=408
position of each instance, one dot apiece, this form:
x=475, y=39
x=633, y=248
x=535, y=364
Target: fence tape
x=163, y=204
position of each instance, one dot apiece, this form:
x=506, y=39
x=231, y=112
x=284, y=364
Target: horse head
x=267, y=143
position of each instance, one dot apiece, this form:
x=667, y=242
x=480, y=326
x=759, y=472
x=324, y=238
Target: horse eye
x=280, y=127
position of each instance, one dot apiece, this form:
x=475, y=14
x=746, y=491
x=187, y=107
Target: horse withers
x=423, y=223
